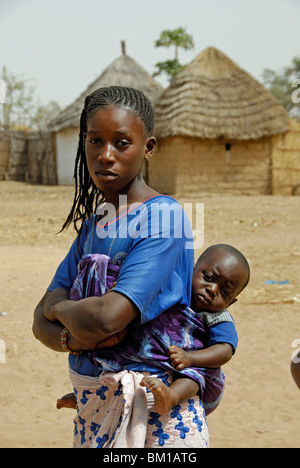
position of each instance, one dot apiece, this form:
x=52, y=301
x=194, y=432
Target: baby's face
x=217, y=280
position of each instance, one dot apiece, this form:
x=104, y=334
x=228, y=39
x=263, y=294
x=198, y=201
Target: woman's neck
x=137, y=192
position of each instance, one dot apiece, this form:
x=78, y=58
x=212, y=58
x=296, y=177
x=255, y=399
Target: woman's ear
x=150, y=147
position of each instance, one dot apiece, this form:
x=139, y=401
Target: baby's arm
x=212, y=357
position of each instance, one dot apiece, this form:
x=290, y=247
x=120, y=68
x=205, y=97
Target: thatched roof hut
x=213, y=97
x=217, y=121
x=123, y=71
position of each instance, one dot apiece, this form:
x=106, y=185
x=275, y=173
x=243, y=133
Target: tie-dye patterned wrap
x=144, y=350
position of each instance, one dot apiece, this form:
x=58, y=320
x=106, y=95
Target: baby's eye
x=225, y=292
x=207, y=277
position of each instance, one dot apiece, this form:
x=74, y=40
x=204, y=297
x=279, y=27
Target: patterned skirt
x=114, y=411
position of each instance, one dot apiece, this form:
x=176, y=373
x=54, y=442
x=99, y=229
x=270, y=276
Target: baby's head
x=220, y=274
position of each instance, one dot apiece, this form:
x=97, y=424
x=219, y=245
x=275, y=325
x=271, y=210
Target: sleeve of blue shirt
x=157, y=272
x=224, y=332
x=67, y=270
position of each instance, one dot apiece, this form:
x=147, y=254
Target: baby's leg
x=67, y=401
x=166, y=397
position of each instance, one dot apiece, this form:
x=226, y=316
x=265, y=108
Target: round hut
x=124, y=71
x=214, y=125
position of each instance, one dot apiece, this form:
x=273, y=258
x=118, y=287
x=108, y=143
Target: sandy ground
x=261, y=405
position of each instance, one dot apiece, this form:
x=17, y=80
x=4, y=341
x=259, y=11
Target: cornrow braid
x=87, y=196
x=127, y=98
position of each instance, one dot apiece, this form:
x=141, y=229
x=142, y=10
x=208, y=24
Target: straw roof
x=124, y=71
x=212, y=97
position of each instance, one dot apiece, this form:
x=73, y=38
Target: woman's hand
x=112, y=340
x=76, y=345
x=89, y=320
x=57, y=296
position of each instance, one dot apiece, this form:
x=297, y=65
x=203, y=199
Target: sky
x=61, y=46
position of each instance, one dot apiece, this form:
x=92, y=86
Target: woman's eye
x=122, y=143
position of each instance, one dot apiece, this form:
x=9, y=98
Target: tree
x=177, y=38
x=19, y=108
x=285, y=86
x=18, y=104
x=43, y=114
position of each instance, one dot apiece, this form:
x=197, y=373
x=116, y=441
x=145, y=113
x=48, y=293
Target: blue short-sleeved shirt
x=152, y=241
x=221, y=328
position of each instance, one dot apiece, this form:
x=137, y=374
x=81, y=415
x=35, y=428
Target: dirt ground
x=261, y=405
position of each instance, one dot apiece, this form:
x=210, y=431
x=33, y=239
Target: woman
x=146, y=234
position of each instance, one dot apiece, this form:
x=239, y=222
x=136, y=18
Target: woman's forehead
x=113, y=115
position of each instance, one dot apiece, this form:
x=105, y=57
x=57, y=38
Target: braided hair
x=87, y=196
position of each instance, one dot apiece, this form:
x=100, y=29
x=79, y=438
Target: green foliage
x=170, y=67
x=177, y=38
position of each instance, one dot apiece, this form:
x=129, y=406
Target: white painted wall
x=66, y=149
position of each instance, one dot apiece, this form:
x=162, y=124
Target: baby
x=220, y=274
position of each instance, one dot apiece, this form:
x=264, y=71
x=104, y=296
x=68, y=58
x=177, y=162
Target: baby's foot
x=67, y=401
x=164, y=397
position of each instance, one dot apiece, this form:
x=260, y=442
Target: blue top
x=153, y=243
x=221, y=328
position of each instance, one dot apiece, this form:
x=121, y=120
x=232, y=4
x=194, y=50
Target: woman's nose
x=106, y=154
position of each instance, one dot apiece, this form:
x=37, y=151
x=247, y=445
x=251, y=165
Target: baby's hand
x=180, y=358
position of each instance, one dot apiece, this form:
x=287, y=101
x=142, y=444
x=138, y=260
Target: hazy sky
x=61, y=46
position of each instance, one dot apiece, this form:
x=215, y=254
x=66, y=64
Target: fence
x=27, y=157
x=286, y=161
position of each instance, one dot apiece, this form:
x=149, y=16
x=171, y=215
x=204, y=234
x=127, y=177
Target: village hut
x=214, y=125
x=124, y=71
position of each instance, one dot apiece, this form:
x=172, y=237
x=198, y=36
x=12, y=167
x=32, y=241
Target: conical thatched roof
x=124, y=71
x=214, y=98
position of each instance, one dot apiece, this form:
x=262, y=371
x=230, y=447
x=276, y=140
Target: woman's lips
x=106, y=174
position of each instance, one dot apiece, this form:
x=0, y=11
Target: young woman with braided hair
x=116, y=214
